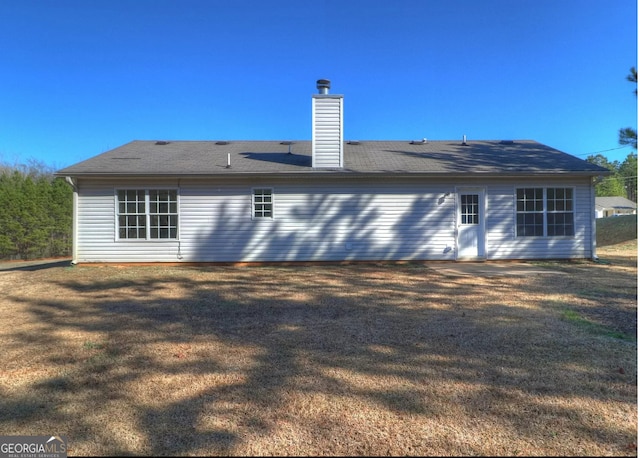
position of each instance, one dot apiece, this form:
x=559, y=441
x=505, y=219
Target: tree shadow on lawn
x=607, y=289
x=222, y=361
x=32, y=266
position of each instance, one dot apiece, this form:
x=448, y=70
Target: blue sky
x=79, y=77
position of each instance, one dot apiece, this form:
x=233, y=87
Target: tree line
x=623, y=180
x=37, y=212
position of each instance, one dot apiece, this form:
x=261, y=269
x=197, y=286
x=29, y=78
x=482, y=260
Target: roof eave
x=340, y=173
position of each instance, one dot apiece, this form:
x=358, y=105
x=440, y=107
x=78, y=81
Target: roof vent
x=162, y=142
x=418, y=142
x=222, y=143
x=506, y=142
x=353, y=142
x=323, y=86
x=289, y=143
x=464, y=140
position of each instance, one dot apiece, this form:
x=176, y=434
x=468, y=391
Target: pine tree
x=628, y=135
x=628, y=171
x=612, y=185
x=60, y=211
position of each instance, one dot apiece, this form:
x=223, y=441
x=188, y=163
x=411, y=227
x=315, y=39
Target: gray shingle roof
x=615, y=202
x=176, y=158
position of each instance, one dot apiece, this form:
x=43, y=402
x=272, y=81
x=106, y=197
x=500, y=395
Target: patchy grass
x=330, y=360
x=592, y=327
x=616, y=229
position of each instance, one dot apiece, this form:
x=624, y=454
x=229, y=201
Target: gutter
x=594, y=243
x=342, y=173
x=74, y=230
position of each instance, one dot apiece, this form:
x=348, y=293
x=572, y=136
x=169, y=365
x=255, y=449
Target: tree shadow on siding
x=332, y=228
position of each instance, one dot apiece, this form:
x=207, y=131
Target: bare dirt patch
x=365, y=359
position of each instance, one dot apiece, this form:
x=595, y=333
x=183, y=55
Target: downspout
x=592, y=192
x=74, y=223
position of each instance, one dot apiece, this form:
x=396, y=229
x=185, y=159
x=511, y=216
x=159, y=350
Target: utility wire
x=603, y=151
x=621, y=178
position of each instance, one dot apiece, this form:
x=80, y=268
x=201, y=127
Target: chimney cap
x=323, y=86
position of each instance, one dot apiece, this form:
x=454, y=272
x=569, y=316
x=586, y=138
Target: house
x=614, y=206
x=332, y=200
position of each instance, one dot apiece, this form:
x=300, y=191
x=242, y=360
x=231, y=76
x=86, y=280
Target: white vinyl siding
x=317, y=222
x=327, y=138
x=97, y=226
x=322, y=220
x=502, y=239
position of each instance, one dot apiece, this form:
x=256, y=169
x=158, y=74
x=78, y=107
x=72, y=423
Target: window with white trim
x=544, y=212
x=262, y=203
x=469, y=209
x=560, y=211
x=530, y=212
x=147, y=214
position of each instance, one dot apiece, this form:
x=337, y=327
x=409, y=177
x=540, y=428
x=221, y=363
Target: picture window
x=544, y=212
x=147, y=214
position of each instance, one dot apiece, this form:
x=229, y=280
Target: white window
x=147, y=214
x=469, y=209
x=262, y=203
x=560, y=211
x=132, y=220
x=544, y=212
x=530, y=212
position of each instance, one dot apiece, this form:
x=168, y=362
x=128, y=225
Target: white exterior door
x=470, y=239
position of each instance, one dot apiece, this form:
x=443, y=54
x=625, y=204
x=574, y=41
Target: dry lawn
x=323, y=360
